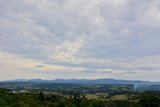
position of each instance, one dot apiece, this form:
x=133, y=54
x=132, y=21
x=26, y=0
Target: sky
x=80, y=39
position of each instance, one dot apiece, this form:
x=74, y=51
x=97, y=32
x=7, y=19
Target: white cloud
x=68, y=51
x=151, y=17
x=13, y=66
x=82, y=35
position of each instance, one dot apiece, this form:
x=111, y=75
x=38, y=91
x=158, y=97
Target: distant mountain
x=26, y=80
x=148, y=87
x=85, y=81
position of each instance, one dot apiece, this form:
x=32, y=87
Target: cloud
x=81, y=37
x=68, y=51
x=12, y=65
x=39, y=66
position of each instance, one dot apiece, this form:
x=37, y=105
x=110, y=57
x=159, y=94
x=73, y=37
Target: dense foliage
x=69, y=88
x=39, y=99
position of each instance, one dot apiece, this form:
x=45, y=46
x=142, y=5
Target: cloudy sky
x=80, y=39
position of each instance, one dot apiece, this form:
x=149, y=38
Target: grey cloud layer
x=91, y=34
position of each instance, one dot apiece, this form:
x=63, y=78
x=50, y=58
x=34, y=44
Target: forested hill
x=85, y=81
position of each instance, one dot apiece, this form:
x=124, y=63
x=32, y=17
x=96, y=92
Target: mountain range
x=84, y=81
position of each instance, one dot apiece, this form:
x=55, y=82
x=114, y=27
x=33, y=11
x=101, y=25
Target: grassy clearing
x=120, y=97
x=91, y=96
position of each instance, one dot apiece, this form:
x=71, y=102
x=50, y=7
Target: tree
x=41, y=97
x=150, y=101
